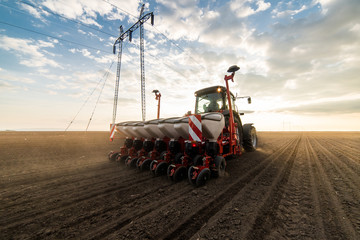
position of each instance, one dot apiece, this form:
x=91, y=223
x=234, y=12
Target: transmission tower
x=142, y=66
x=123, y=35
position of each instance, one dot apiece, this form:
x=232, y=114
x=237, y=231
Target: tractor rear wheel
x=203, y=176
x=220, y=165
x=179, y=174
x=146, y=164
x=249, y=138
x=161, y=169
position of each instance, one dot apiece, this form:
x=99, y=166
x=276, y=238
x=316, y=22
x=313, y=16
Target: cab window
x=212, y=102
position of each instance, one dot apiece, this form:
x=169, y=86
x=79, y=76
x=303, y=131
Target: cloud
x=87, y=11
x=243, y=8
x=108, y=58
x=30, y=52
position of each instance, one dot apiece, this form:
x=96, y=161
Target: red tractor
x=195, y=146
x=222, y=135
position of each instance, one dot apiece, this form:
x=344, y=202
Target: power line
x=57, y=38
x=102, y=88
x=92, y=92
x=113, y=5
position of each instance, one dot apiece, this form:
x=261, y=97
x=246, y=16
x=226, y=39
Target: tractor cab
x=212, y=99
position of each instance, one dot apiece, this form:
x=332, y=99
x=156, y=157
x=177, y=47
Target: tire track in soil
x=69, y=178
x=80, y=190
x=295, y=216
x=193, y=223
x=339, y=168
x=320, y=233
x=107, y=229
x=331, y=211
x=117, y=226
x=266, y=218
x=98, y=232
x=14, y=222
x=45, y=178
x=125, y=177
x=347, y=152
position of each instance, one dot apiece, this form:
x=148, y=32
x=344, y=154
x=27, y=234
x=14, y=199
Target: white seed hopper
x=176, y=127
x=139, y=128
x=152, y=128
x=166, y=126
x=212, y=125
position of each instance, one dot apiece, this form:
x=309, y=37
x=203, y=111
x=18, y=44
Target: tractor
x=223, y=135
x=195, y=146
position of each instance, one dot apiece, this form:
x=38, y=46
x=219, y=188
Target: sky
x=299, y=61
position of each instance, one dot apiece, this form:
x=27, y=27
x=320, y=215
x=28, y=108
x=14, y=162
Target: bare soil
x=297, y=185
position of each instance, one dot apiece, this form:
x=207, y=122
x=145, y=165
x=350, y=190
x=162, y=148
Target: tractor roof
x=212, y=89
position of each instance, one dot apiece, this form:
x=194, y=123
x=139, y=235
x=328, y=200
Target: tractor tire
x=190, y=175
x=133, y=162
x=220, y=165
x=161, y=169
x=179, y=174
x=239, y=131
x=146, y=164
x=249, y=138
x=203, y=176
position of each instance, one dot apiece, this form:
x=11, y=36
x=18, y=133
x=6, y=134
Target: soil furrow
x=320, y=233
x=194, y=222
x=332, y=211
x=292, y=187
x=341, y=170
x=23, y=218
x=141, y=212
x=54, y=190
x=266, y=219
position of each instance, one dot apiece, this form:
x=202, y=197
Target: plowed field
x=297, y=185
